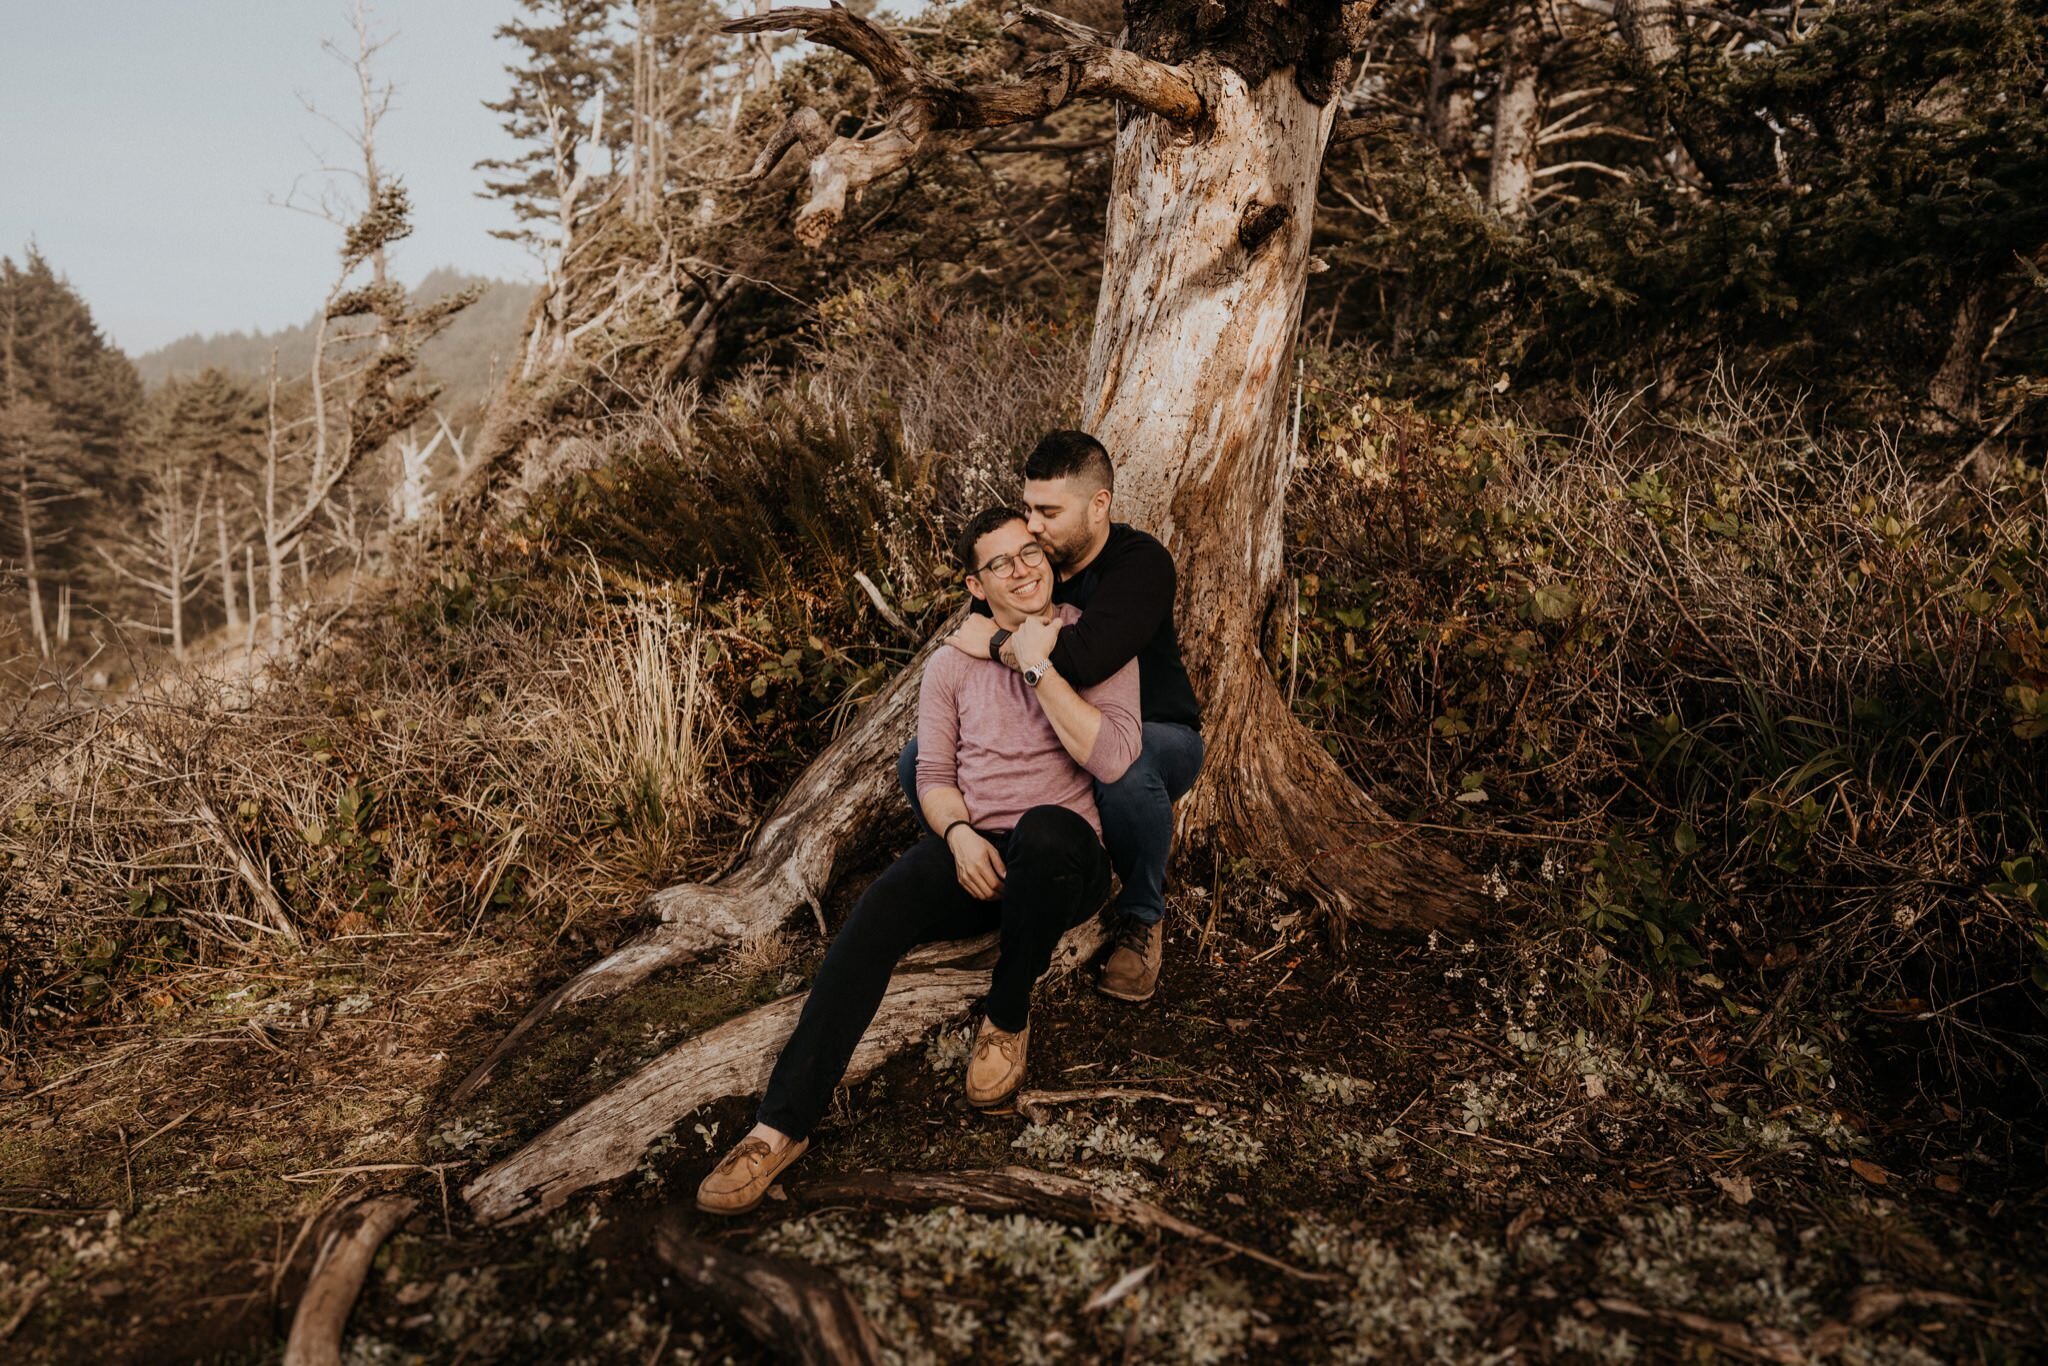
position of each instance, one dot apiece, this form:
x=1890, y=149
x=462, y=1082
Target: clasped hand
x=976, y=863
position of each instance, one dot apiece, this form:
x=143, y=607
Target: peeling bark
x=1187, y=386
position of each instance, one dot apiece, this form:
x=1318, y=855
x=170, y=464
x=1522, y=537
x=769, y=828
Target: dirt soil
x=1469, y=1152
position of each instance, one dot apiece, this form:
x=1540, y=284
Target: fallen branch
x=1034, y=1104
x=797, y=1311
x=605, y=1139
x=1020, y=1190
x=1867, y=1306
x=337, y=1279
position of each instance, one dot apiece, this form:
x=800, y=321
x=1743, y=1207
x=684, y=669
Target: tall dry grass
x=496, y=752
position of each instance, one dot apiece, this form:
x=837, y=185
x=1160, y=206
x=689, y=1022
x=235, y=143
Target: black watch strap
x=995, y=644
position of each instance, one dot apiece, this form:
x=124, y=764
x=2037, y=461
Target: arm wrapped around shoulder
x=1122, y=732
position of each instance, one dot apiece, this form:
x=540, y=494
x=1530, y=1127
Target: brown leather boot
x=996, y=1068
x=1132, y=972
x=742, y=1177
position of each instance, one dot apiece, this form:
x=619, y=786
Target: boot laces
x=1135, y=935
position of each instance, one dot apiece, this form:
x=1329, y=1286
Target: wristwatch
x=995, y=644
x=1034, y=672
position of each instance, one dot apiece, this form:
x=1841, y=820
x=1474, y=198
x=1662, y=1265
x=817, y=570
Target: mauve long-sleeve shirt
x=980, y=730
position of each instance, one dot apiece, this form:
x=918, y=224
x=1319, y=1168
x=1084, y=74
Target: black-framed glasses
x=1031, y=556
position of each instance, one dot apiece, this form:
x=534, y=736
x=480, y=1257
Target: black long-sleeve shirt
x=1126, y=600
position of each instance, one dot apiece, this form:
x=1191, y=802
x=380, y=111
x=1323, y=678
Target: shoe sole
x=1122, y=996
x=759, y=1200
x=999, y=1101
x=733, y=1211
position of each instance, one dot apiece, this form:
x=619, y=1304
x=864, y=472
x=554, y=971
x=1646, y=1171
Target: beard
x=1064, y=553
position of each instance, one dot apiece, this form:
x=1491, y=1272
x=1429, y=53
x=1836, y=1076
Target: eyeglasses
x=1031, y=556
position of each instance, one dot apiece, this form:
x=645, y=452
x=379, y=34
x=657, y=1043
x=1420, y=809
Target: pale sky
x=140, y=142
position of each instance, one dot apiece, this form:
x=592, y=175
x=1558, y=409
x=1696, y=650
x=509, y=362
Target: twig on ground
x=1005, y=1190
x=1031, y=1104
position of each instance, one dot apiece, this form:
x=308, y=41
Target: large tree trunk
x=1188, y=376
x=1730, y=146
x=226, y=557
x=31, y=575
x=1958, y=384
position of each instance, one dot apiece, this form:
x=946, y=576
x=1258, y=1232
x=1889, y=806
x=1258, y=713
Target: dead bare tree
x=33, y=449
x=357, y=392
x=160, y=551
x=1453, y=55
x=1517, y=116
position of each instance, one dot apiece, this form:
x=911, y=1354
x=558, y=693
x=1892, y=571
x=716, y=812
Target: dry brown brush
x=1756, y=703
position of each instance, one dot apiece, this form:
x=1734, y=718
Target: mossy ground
x=1481, y=1167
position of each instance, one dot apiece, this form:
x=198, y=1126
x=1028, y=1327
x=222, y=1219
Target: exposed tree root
x=606, y=1138
x=798, y=1311
x=1020, y=1190
x=1291, y=809
x=338, y=1278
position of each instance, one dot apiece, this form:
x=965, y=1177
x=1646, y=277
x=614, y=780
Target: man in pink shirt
x=1007, y=766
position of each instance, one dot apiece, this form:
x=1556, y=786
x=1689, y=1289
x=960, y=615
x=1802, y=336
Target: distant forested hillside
x=461, y=359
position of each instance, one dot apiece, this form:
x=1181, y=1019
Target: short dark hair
x=1071, y=455
x=985, y=521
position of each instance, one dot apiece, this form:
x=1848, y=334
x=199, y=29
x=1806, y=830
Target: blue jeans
x=1137, y=812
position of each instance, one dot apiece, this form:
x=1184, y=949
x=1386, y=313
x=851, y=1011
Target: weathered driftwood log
x=338, y=1278
x=1020, y=1190
x=605, y=1139
x=796, y=1310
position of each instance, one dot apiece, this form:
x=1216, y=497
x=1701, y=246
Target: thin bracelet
x=947, y=834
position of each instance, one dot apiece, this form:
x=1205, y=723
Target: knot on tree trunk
x=1259, y=222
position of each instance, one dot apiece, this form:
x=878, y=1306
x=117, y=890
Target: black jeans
x=1137, y=811
x=1056, y=875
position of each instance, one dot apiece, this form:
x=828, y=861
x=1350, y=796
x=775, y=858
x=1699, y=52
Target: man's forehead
x=1051, y=492
x=1004, y=538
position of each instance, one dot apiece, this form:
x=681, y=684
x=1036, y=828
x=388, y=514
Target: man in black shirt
x=1123, y=580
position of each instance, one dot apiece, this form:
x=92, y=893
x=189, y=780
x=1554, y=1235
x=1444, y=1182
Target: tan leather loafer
x=1132, y=972
x=742, y=1177
x=996, y=1068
